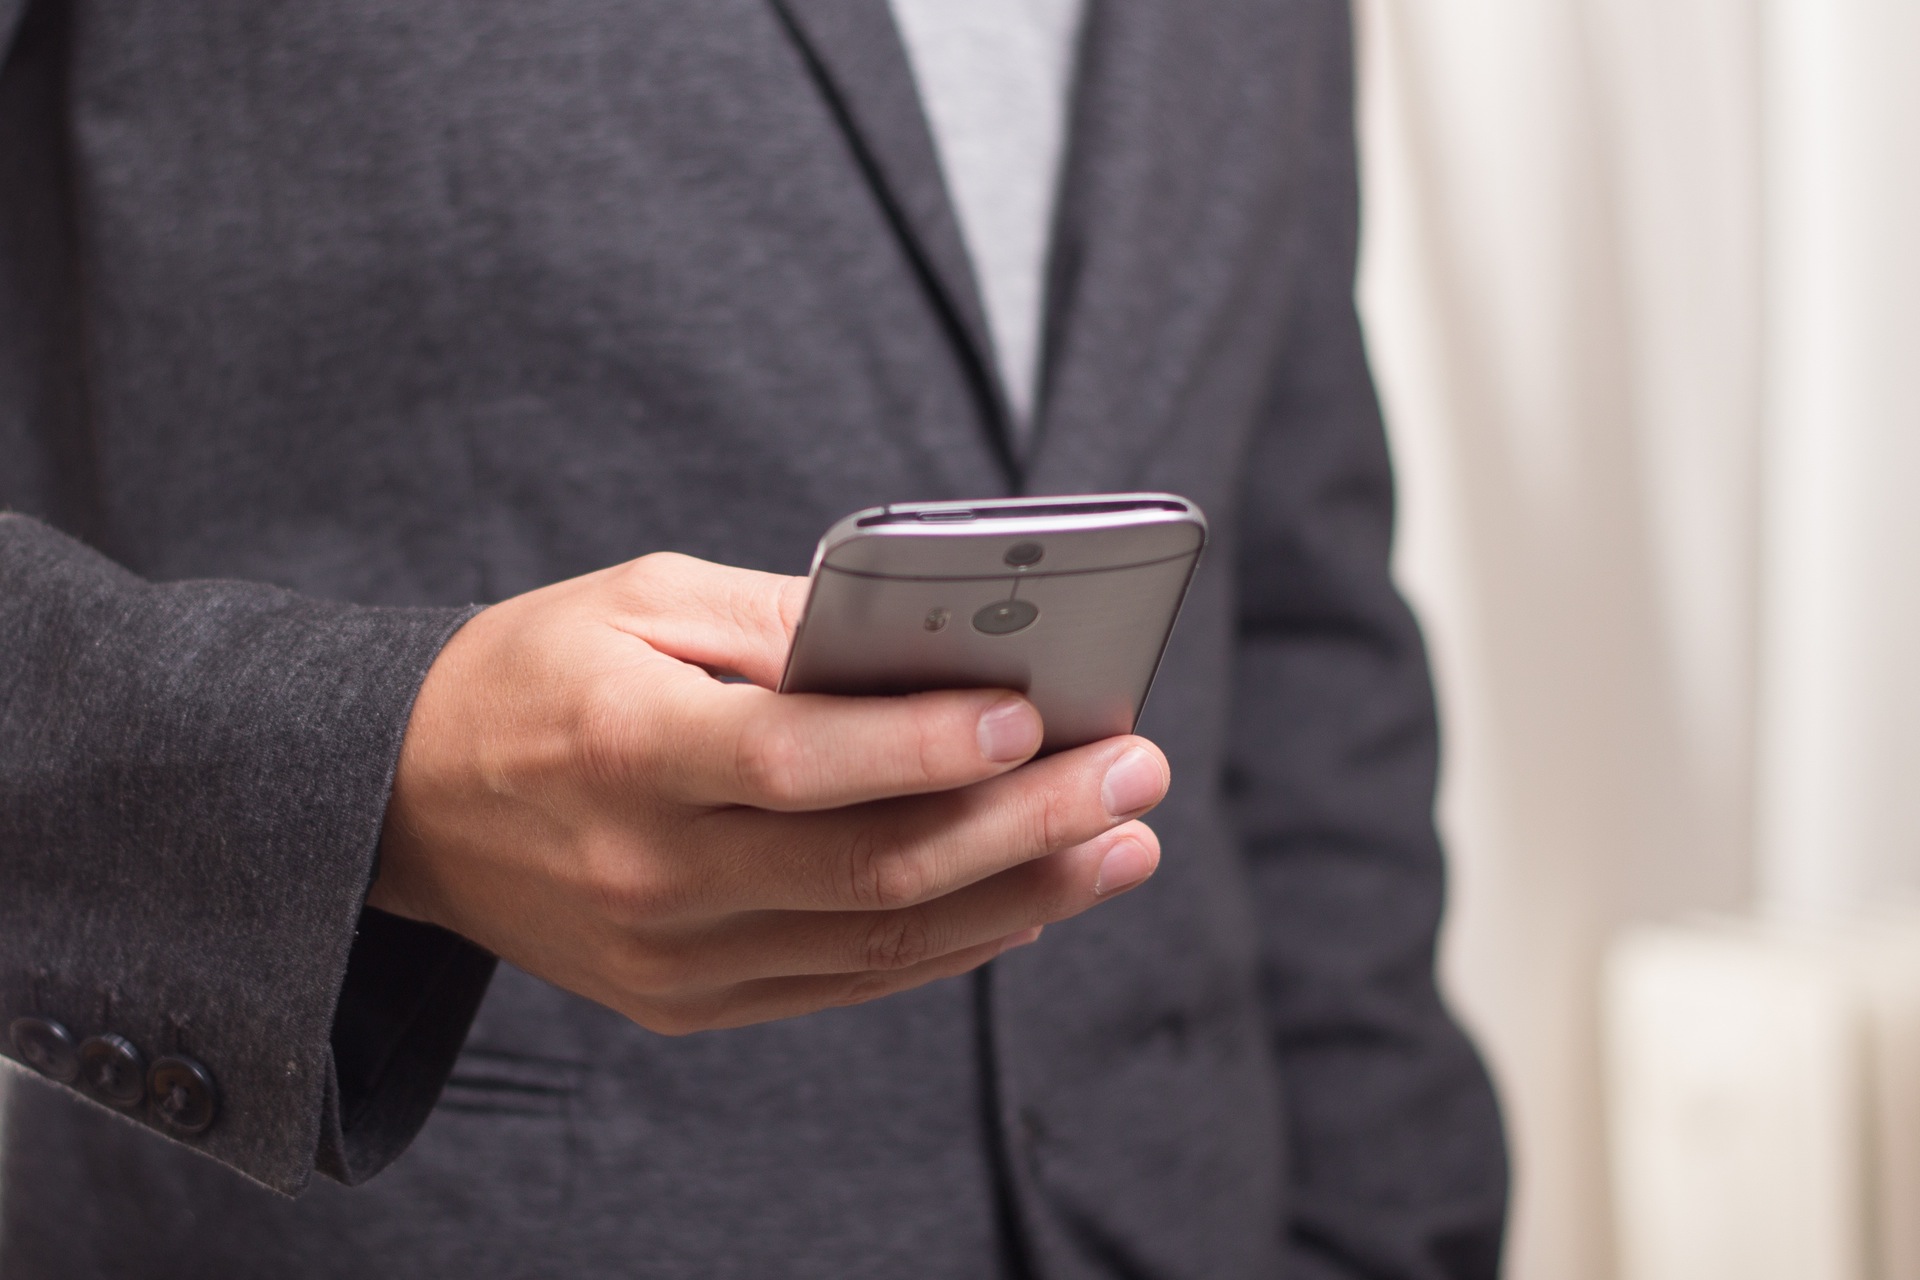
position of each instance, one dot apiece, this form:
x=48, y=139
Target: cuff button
x=183, y=1094
x=47, y=1047
x=113, y=1070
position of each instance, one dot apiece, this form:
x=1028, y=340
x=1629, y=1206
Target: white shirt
x=995, y=77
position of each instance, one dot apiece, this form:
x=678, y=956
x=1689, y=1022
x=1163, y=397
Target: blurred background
x=1642, y=284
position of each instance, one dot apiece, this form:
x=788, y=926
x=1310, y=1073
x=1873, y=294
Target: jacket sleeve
x=1398, y=1159
x=192, y=783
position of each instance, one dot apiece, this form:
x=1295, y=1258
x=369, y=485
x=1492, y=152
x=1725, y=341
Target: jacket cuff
x=410, y=995
x=193, y=779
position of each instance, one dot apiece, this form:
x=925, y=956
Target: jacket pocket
x=484, y=1082
x=486, y=1188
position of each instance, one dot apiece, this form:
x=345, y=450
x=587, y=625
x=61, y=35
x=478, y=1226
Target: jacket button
x=47, y=1047
x=113, y=1070
x=183, y=1094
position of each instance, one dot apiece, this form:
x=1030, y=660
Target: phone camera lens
x=1004, y=617
x=1022, y=554
x=936, y=619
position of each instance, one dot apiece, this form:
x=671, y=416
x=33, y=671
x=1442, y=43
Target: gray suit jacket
x=321, y=321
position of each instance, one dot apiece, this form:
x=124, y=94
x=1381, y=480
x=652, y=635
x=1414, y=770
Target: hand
x=580, y=795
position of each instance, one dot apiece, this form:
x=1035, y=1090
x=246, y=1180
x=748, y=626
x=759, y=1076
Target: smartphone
x=1069, y=601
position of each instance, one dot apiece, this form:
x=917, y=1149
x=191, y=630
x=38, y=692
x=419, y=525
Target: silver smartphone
x=1069, y=601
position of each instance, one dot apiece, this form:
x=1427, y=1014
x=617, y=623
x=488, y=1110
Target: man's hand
x=579, y=794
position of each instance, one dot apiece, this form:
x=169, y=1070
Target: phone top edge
x=1011, y=517
x=963, y=512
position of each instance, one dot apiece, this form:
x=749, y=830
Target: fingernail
x=1135, y=782
x=1126, y=865
x=1020, y=940
x=1009, y=730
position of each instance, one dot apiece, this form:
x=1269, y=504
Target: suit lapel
x=855, y=52
x=1170, y=181
x=1171, y=154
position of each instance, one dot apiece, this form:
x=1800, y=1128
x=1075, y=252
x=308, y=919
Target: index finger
x=715, y=615
x=734, y=744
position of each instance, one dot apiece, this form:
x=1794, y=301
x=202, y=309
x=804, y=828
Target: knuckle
x=649, y=574
x=707, y=1010
x=860, y=990
x=923, y=762
x=670, y=980
x=790, y=603
x=899, y=940
x=771, y=763
x=1042, y=825
x=658, y=971
x=884, y=876
x=628, y=895
x=639, y=970
x=752, y=615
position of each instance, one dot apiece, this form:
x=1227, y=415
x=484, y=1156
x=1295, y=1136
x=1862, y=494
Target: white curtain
x=1640, y=283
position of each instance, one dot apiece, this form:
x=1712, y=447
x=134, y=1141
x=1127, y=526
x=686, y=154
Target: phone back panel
x=1055, y=598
